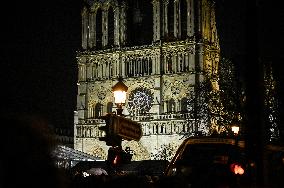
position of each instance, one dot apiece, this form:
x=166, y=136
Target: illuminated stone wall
x=160, y=76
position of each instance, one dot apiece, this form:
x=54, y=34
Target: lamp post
x=119, y=91
x=235, y=130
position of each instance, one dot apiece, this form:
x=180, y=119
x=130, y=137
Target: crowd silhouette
x=26, y=160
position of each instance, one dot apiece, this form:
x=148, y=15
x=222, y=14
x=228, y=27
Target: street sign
x=126, y=128
x=118, y=127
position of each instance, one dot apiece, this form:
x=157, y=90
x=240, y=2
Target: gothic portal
x=161, y=49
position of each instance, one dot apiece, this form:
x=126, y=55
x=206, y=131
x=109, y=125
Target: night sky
x=39, y=40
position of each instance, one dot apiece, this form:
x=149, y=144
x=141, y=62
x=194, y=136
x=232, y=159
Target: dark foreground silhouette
x=26, y=143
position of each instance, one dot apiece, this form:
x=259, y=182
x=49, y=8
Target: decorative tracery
x=140, y=101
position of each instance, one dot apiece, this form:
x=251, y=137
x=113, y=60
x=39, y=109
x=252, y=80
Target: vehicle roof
x=214, y=140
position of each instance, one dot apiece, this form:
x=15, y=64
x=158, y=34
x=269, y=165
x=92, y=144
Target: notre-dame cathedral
x=161, y=49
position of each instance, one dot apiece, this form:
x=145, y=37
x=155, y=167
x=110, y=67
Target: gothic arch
x=170, y=16
x=184, y=105
x=98, y=110
x=171, y=105
x=147, y=23
x=183, y=17
x=110, y=26
x=139, y=22
x=99, y=31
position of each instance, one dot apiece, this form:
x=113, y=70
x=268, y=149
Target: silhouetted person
x=26, y=143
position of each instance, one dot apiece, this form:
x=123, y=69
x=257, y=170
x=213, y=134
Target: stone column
x=174, y=63
x=200, y=55
x=158, y=62
x=154, y=3
x=191, y=61
x=154, y=61
x=84, y=29
x=186, y=62
x=165, y=25
x=92, y=29
x=179, y=63
x=176, y=19
x=190, y=18
x=198, y=16
x=84, y=72
x=117, y=65
x=123, y=67
x=123, y=24
x=156, y=20
x=116, y=26
x=104, y=27
x=89, y=71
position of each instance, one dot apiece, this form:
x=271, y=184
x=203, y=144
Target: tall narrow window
x=170, y=64
x=171, y=20
x=150, y=67
x=184, y=105
x=127, y=68
x=139, y=22
x=110, y=70
x=183, y=14
x=98, y=110
x=147, y=22
x=110, y=27
x=99, y=33
x=171, y=107
x=130, y=26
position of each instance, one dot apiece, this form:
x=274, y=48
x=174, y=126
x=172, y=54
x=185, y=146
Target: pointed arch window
x=183, y=15
x=171, y=105
x=170, y=64
x=184, y=105
x=98, y=110
x=147, y=23
x=110, y=26
x=171, y=19
x=99, y=33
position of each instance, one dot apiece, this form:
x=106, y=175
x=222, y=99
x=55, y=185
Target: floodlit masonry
x=161, y=49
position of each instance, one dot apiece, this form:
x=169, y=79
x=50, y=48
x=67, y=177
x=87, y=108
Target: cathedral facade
x=161, y=49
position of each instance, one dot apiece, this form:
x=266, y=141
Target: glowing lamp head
x=119, y=92
x=119, y=97
x=235, y=129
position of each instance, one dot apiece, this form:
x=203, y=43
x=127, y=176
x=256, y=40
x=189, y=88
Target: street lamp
x=235, y=129
x=119, y=92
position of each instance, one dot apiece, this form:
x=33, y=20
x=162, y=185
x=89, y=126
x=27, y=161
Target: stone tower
x=161, y=49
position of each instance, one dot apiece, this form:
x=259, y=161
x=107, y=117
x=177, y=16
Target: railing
x=152, y=117
x=147, y=117
x=157, y=124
